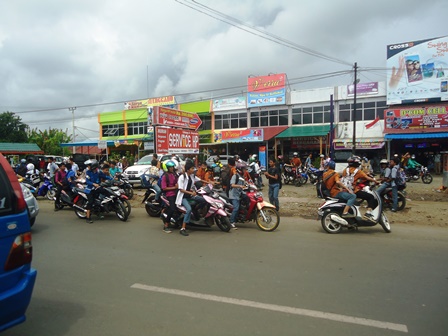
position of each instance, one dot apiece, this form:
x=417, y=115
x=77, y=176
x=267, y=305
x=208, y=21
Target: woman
x=273, y=175
x=169, y=186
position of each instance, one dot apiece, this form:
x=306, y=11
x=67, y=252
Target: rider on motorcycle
x=390, y=175
x=237, y=184
x=93, y=180
x=412, y=166
x=295, y=161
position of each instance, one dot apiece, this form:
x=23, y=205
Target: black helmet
x=332, y=165
x=354, y=161
x=94, y=164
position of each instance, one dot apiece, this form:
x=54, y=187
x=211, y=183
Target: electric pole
x=355, y=82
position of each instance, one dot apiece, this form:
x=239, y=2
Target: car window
x=5, y=193
x=146, y=160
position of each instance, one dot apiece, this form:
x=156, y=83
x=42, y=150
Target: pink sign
x=176, y=141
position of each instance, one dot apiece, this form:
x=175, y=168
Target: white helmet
x=384, y=161
x=295, y=154
x=30, y=166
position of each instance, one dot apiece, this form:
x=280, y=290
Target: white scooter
x=330, y=215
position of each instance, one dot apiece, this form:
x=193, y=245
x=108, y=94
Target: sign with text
x=243, y=135
x=415, y=119
x=418, y=71
x=266, y=90
x=362, y=89
x=227, y=104
x=175, y=118
x=176, y=141
x=136, y=104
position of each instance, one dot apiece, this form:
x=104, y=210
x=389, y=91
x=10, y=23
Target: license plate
x=131, y=176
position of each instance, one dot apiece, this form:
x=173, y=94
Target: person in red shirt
x=202, y=170
x=61, y=183
x=295, y=161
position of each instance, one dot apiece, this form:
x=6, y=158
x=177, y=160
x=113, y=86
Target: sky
x=95, y=55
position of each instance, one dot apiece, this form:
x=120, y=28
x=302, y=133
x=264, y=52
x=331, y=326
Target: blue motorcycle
x=47, y=189
x=301, y=177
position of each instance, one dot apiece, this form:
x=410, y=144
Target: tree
x=12, y=129
x=50, y=140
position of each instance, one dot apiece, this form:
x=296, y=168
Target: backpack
x=321, y=187
x=225, y=175
x=349, y=179
x=400, y=180
x=159, y=182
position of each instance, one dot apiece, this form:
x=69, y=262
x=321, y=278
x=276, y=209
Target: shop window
x=113, y=130
x=137, y=128
x=318, y=118
x=344, y=116
x=318, y=108
x=254, y=122
x=296, y=119
x=327, y=116
x=369, y=114
x=283, y=120
x=369, y=105
x=218, y=122
x=307, y=118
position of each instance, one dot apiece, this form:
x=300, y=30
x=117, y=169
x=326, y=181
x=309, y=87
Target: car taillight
x=21, y=252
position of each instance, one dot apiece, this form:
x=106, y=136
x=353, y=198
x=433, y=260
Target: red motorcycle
x=254, y=208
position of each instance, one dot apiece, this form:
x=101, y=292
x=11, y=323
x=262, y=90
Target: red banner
x=416, y=119
x=176, y=141
x=175, y=118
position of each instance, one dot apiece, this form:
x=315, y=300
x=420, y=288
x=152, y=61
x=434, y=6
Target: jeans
x=394, y=194
x=236, y=209
x=186, y=203
x=273, y=194
x=346, y=196
x=158, y=191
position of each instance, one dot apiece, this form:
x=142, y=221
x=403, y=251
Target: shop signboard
x=228, y=104
x=369, y=135
x=307, y=142
x=238, y=135
x=266, y=90
x=418, y=71
x=362, y=89
x=136, y=104
x=175, y=118
x=176, y=141
x=416, y=119
x=362, y=144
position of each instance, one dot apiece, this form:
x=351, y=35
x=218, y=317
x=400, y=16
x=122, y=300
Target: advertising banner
x=227, y=104
x=362, y=89
x=266, y=90
x=136, y=104
x=362, y=144
x=176, y=141
x=418, y=119
x=246, y=135
x=369, y=135
x=175, y=118
x=307, y=142
x=262, y=156
x=417, y=71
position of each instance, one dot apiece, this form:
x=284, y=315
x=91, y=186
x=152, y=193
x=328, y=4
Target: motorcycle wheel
x=152, y=212
x=272, y=219
x=59, y=205
x=129, y=192
x=120, y=211
x=384, y=222
x=285, y=180
x=223, y=223
x=401, y=201
x=427, y=179
x=81, y=203
x=127, y=206
x=328, y=225
x=51, y=194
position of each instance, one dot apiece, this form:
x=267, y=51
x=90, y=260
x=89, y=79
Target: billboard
x=266, y=90
x=175, y=118
x=227, y=104
x=136, y=104
x=417, y=71
x=176, y=141
x=239, y=135
x=418, y=119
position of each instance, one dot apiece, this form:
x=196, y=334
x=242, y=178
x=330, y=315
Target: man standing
x=75, y=166
x=60, y=182
x=273, y=175
x=390, y=176
x=52, y=167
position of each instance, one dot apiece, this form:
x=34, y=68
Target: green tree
x=12, y=129
x=50, y=140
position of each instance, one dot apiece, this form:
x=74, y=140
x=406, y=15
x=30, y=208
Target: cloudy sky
x=56, y=54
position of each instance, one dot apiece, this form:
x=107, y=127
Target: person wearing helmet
x=383, y=165
x=337, y=189
x=93, y=180
x=355, y=174
x=237, y=184
x=413, y=166
x=169, y=186
x=295, y=161
x=273, y=175
x=390, y=175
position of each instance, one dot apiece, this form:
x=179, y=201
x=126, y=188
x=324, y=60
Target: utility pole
x=355, y=82
x=72, y=109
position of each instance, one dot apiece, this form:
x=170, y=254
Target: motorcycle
x=330, y=215
x=301, y=178
x=254, y=208
x=107, y=201
x=211, y=213
x=123, y=183
x=314, y=174
x=46, y=189
x=417, y=173
x=387, y=199
x=152, y=207
x=289, y=174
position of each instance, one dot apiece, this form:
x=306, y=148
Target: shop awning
x=19, y=148
x=408, y=136
x=271, y=132
x=305, y=131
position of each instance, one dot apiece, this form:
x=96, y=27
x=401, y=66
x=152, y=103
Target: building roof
x=19, y=148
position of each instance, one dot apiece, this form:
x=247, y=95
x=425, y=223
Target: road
x=115, y=278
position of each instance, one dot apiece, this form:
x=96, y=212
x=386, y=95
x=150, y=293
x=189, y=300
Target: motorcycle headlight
x=26, y=192
x=218, y=205
x=117, y=193
x=259, y=194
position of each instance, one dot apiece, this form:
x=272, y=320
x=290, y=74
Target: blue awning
x=416, y=136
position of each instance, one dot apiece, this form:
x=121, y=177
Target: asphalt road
x=115, y=278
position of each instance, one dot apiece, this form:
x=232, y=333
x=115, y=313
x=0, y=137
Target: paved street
x=115, y=278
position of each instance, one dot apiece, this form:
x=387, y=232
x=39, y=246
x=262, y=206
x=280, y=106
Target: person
x=21, y=168
x=322, y=162
x=437, y=163
x=273, y=175
x=61, y=183
x=71, y=176
x=155, y=157
x=113, y=168
x=187, y=193
x=412, y=165
x=120, y=164
x=308, y=161
x=52, y=167
x=93, y=180
x=389, y=178
x=237, y=184
x=404, y=160
x=355, y=174
x=124, y=163
x=151, y=177
x=169, y=185
x=209, y=174
x=383, y=165
x=74, y=166
x=202, y=170
x=338, y=189
x=41, y=165
x=295, y=161
x=416, y=74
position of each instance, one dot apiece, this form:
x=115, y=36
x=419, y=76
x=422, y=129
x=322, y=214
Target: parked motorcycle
x=211, y=213
x=254, y=208
x=107, y=201
x=314, y=174
x=301, y=178
x=417, y=173
x=330, y=215
x=289, y=174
